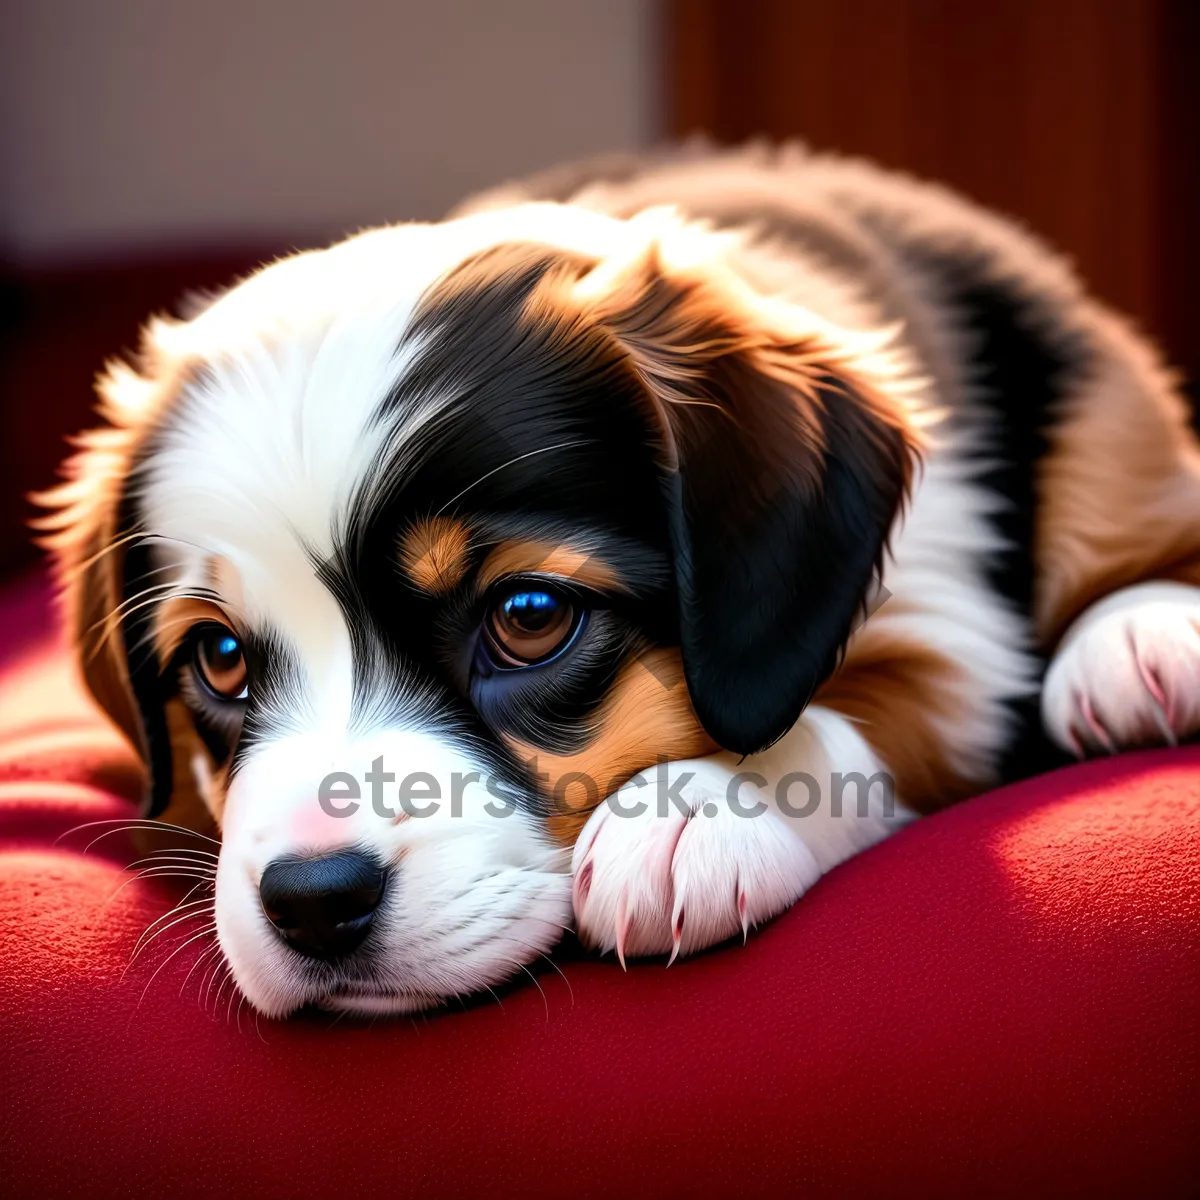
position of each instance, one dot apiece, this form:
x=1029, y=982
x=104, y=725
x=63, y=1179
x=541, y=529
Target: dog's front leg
x=692, y=852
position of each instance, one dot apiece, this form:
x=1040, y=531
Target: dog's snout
x=324, y=906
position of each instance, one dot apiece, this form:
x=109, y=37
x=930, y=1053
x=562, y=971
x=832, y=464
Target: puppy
x=623, y=553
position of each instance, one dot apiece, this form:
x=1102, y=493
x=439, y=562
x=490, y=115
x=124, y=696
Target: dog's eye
x=529, y=626
x=221, y=664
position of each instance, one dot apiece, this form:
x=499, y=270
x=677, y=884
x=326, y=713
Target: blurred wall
x=153, y=147
x=1079, y=117
x=141, y=123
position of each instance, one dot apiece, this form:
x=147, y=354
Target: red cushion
x=1003, y=997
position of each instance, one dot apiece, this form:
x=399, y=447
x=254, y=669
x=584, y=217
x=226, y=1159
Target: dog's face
x=413, y=550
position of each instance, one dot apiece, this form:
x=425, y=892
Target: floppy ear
x=788, y=459
x=101, y=568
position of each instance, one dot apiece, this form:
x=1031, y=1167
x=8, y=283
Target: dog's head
x=412, y=550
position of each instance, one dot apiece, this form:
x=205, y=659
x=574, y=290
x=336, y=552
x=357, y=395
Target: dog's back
x=1065, y=469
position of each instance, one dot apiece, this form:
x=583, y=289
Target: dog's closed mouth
x=353, y=999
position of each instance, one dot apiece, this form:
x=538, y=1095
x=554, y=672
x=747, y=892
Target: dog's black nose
x=323, y=907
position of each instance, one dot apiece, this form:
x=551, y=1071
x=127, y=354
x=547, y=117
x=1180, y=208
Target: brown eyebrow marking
x=434, y=553
x=534, y=557
x=176, y=617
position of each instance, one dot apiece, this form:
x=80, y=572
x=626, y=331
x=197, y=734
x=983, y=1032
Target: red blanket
x=1003, y=999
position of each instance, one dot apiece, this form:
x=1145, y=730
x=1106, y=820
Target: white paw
x=1128, y=672
x=668, y=881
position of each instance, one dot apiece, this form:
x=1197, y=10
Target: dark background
x=146, y=149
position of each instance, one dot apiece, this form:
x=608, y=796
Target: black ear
x=780, y=510
x=786, y=470
x=145, y=680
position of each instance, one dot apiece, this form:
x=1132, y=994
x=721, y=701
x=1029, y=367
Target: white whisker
x=207, y=931
x=131, y=825
x=563, y=977
x=141, y=946
x=545, y=1002
x=227, y=978
x=180, y=909
x=205, y=957
x=234, y=992
x=210, y=976
x=161, y=873
x=170, y=858
x=509, y=463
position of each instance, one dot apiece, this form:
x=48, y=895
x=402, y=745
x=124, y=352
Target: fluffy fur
x=709, y=410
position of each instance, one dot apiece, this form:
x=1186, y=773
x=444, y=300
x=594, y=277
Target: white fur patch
x=654, y=876
x=473, y=895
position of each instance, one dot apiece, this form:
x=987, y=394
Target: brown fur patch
x=82, y=532
x=1120, y=488
x=688, y=329
x=902, y=696
x=648, y=717
x=88, y=561
x=187, y=807
x=519, y=557
x=175, y=617
x=435, y=554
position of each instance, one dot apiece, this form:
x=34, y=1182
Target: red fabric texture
x=1002, y=999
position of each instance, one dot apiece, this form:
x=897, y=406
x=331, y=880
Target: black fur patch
x=1019, y=376
x=150, y=690
x=279, y=699
x=1019, y=372
x=516, y=427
